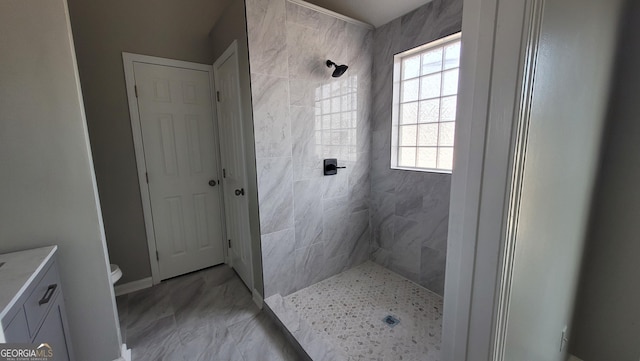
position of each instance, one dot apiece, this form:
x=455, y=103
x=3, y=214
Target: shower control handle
x=240, y=192
x=212, y=183
x=331, y=166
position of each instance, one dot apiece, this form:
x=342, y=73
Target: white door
x=176, y=117
x=233, y=163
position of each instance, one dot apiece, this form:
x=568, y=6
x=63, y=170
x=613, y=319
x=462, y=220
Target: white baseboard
x=138, y=285
x=125, y=354
x=573, y=358
x=257, y=298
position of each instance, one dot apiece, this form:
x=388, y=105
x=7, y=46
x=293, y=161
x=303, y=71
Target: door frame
x=128, y=60
x=498, y=42
x=233, y=49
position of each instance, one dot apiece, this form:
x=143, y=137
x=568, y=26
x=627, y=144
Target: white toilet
x=116, y=273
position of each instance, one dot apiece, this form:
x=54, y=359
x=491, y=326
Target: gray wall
x=567, y=113
x=607, y=317
x=232, y=26
x=47, y=184
x=102, y=31
x=312, y=226
x=410, y=210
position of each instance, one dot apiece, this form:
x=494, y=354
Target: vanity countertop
x=17, y=273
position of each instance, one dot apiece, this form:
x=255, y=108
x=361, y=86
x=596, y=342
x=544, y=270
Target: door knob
x=240, y=192
x=212, y=183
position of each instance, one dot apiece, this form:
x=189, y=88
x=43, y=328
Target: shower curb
x=314, y=345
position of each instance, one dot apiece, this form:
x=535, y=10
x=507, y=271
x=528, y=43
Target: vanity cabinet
x=36, y=313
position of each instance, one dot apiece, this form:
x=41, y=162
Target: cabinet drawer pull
x=47, y=295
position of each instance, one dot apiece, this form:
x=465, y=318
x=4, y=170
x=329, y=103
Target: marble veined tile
x=266, y=32
x=209, y=342
x=224, y=305
x=275, y=194
x=307, y=157
x=405, y=254
x=218, y=275
x=197, y=330
x=278, y=262
x=337, y=185
x=382, y=223
x=430, y=22
x=259, y=339
x=147, y=306
x=310, y=262
x=271, y=118
x=336, y=227
x=308, y=212
x=359, y=238
x=432, y=269
x=309, y=48
x=156, y=341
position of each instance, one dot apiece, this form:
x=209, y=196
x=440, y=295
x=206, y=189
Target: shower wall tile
x=278, y=262
x=336, y=226
x=313, y=48
x=359, y=182
x=307, y=162
x=405, y=256
x=382, y=224
x=410, y=210
x=359, y=247
x=302, y=115
x=309, y=265
x=432, y=269
x=272, y=123
x=303, y=92
x=275, y=194
x=337, y=185
x=308, y=212
x=266, y=35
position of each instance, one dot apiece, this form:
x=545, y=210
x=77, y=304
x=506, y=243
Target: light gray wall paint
x=374, y=12
x=607, y=317
x=102, y=31
x=312, y=226
x=231, y=26
x=568, y=109
x=47, y=184
x=410, y=210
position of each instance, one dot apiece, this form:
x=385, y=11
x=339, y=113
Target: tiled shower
x=313, y=226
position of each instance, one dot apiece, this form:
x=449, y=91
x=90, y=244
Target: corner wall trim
x=125, y=354
x=130, y=287
x=332, y=14
x=257, y=298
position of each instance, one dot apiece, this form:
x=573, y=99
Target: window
x=425, y=89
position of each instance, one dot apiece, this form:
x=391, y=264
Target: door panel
x=180, y=148
x=232, y=155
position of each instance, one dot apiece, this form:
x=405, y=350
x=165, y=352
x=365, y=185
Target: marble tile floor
x=206, y=315
x=347, y=312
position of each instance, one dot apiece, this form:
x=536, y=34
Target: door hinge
x=147, y=176
x=157, y=256
x=218, y=96
x=135, y=89
x=224, y=173
x=229, y=243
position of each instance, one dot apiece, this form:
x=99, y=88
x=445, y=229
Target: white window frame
x=395, y=115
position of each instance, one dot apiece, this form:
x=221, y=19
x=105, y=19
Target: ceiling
x=374, y=12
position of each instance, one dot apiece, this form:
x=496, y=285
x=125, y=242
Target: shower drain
x=390, y=321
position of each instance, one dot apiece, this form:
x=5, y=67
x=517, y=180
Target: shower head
x=340, y=69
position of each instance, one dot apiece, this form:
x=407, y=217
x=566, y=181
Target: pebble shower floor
x=350, y=309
